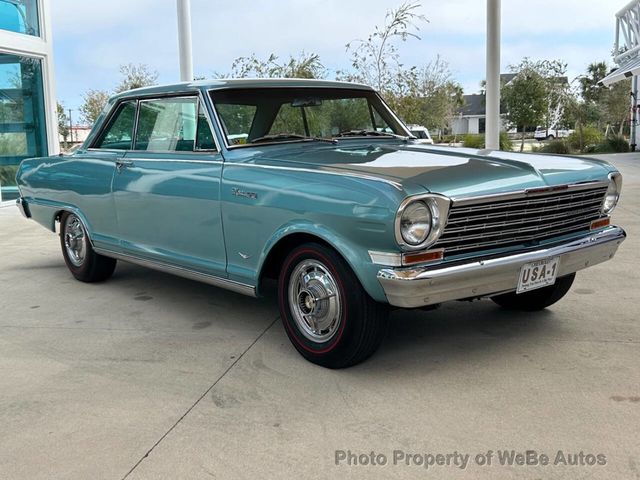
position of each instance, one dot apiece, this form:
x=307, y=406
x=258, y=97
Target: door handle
x=120, y=164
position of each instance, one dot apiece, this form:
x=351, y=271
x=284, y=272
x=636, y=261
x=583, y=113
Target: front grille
x=526, y=221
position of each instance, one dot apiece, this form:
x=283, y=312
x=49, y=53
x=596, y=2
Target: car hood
x=451, y=171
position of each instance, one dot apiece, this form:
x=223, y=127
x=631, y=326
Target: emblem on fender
x=241, y=193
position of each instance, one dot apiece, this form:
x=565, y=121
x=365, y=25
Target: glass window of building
x=22, y=116
x=20, y=16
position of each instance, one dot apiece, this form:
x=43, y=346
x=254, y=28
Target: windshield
x=258, y=115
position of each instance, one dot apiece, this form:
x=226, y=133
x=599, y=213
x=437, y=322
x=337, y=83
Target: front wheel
x=536, y=299
x=83, y=262
x=328, y=316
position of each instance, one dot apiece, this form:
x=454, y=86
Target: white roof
x=627, y=69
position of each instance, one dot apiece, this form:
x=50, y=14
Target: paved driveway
x=152, y=376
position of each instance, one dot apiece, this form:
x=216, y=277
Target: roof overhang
x=628, y=69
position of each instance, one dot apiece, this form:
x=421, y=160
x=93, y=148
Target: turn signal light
x=422, y=257
x=601, y=223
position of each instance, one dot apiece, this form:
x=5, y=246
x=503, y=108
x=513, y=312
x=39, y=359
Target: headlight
x=420, y=220
x=415, y=223
x=613, y=193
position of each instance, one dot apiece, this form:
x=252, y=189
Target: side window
x=119, y=134
x=167, y=125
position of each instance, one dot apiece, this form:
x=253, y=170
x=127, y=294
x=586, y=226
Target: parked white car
x=543, y=133
x=421, y=133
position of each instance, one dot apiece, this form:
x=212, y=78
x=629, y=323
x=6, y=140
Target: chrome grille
x=503, y=223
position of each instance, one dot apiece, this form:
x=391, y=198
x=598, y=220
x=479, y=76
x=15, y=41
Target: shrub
x=618, y=144
x=446, y=139
x=556, y=146
x=477, y=141
x=615, y=144
x=505, y=142
x=591, y=136
x=473, y=141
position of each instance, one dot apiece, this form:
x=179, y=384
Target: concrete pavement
x=151, y=376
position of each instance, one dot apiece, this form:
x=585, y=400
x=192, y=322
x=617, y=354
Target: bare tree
x=305, y=65
x=376, y=60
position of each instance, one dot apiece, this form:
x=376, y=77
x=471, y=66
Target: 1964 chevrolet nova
x=319, y=185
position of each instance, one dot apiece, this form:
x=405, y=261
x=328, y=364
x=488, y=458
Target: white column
x=492, y=135
x=634, y=130
x=184, y=40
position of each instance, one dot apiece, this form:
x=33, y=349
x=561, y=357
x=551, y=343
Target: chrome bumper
x=421, y=286
x=22, y=206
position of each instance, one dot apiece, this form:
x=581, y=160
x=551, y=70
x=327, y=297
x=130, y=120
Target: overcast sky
x=92, y=38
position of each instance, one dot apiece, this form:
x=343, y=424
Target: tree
x=133, y=76
x=426, y=95
x=376, y=60
x=525, y=98
x=305, y=65
x=616, y=103
x=136, y=76
x=558, y=90
x=591, y=89
x=93, y=103
x=63, y=122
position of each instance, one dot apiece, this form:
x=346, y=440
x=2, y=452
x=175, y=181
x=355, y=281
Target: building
x=76, y=135
x=472, y=116
x=28, y=122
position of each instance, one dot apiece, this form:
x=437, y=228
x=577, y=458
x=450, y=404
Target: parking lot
x=153, y=376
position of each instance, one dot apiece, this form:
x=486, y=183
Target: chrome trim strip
x=311, y=170
x=130, y=156
x=227, y=284
x=413, y=287
x=523, y=193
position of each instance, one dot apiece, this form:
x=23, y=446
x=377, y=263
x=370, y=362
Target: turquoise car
x=318, y=185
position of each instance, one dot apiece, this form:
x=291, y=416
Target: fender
x=355, y=255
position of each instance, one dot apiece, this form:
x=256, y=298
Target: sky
x=93, y=38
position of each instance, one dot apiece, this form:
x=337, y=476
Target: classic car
x=320, y=186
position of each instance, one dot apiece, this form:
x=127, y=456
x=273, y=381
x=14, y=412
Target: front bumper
x=418, y=287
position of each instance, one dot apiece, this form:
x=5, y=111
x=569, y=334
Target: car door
x=167, y=188
x=94, y=169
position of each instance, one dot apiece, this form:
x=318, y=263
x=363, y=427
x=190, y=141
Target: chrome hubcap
x=75, y=240
x=315, y=301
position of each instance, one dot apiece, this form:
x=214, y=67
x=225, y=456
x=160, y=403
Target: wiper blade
x=290, y=136
x=368, y=133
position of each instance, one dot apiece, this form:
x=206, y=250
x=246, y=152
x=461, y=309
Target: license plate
x=537, y=274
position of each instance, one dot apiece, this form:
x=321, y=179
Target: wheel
x=328, y=316
x=84, y=264
x=536, y=299
x=550, y=137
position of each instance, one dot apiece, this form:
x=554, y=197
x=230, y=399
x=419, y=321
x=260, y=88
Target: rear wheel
x=536, y=299
x=327, y=315
x=83, y=262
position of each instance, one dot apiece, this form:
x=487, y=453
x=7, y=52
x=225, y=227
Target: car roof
x=228, y=83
